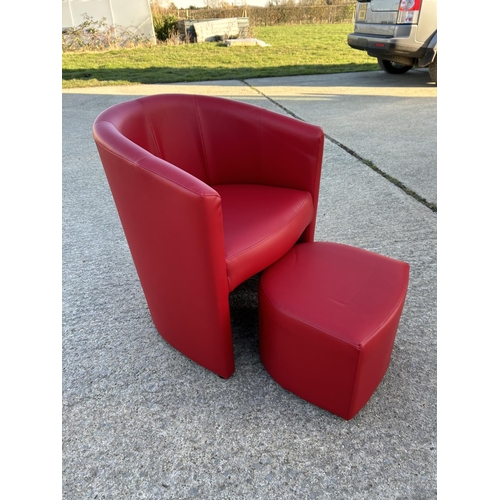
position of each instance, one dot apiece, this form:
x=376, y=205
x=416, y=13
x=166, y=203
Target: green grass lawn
x=294, y=50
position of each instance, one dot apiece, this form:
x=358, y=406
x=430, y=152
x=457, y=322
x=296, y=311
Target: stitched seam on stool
x=385, y=321
x=359, y=345
x=351, y=402
x=308, y=323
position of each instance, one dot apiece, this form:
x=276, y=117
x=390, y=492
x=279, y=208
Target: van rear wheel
x=433, y=70
x=392, y=67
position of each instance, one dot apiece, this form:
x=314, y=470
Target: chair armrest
x=173, y=225
x=246, y=144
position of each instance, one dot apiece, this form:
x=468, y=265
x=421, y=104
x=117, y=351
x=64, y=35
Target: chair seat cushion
x=261, y=223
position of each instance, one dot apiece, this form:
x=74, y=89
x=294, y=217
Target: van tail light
x=409, y=11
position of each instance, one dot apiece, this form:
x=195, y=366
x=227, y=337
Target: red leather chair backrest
x=220, y=141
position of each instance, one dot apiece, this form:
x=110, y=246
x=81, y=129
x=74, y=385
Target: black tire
x=393, y=68
x=433, y=70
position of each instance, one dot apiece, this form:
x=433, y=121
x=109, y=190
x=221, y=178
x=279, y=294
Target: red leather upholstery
x=209, y=191
x=328, y=319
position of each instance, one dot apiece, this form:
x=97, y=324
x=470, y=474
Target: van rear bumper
x=377, y=46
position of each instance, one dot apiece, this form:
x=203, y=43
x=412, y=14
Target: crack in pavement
x=368, y=163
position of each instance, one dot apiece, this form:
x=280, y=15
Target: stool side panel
x=375, y=357
x=307, y=362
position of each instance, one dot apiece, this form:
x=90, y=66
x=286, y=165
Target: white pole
x=71, y=14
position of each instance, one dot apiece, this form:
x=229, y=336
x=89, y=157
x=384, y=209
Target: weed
x=97, y=35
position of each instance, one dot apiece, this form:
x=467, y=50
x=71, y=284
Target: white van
x=401, y=34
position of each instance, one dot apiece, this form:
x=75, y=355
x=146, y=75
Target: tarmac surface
x=140, y=420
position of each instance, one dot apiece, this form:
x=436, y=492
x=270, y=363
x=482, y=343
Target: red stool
x=328, y=316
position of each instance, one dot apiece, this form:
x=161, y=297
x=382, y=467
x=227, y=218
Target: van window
x=381, y=5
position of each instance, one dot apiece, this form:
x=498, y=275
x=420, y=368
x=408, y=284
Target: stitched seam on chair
x=271, y=235
x=318, y=173
x=152, y=129
x=217, y=195
x=317, y=177
x=261, y=135
x=207, y=172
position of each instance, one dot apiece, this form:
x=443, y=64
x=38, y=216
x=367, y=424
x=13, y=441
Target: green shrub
x=165, y=26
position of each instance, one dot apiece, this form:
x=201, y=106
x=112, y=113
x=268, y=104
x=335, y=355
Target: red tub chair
x=209, y=192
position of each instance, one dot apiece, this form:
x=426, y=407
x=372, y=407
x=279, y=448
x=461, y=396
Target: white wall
x=133, y=15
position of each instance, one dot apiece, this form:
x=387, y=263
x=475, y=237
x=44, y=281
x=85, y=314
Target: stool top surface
x=344, y=291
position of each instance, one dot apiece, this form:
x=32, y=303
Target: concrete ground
x=140, y=420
